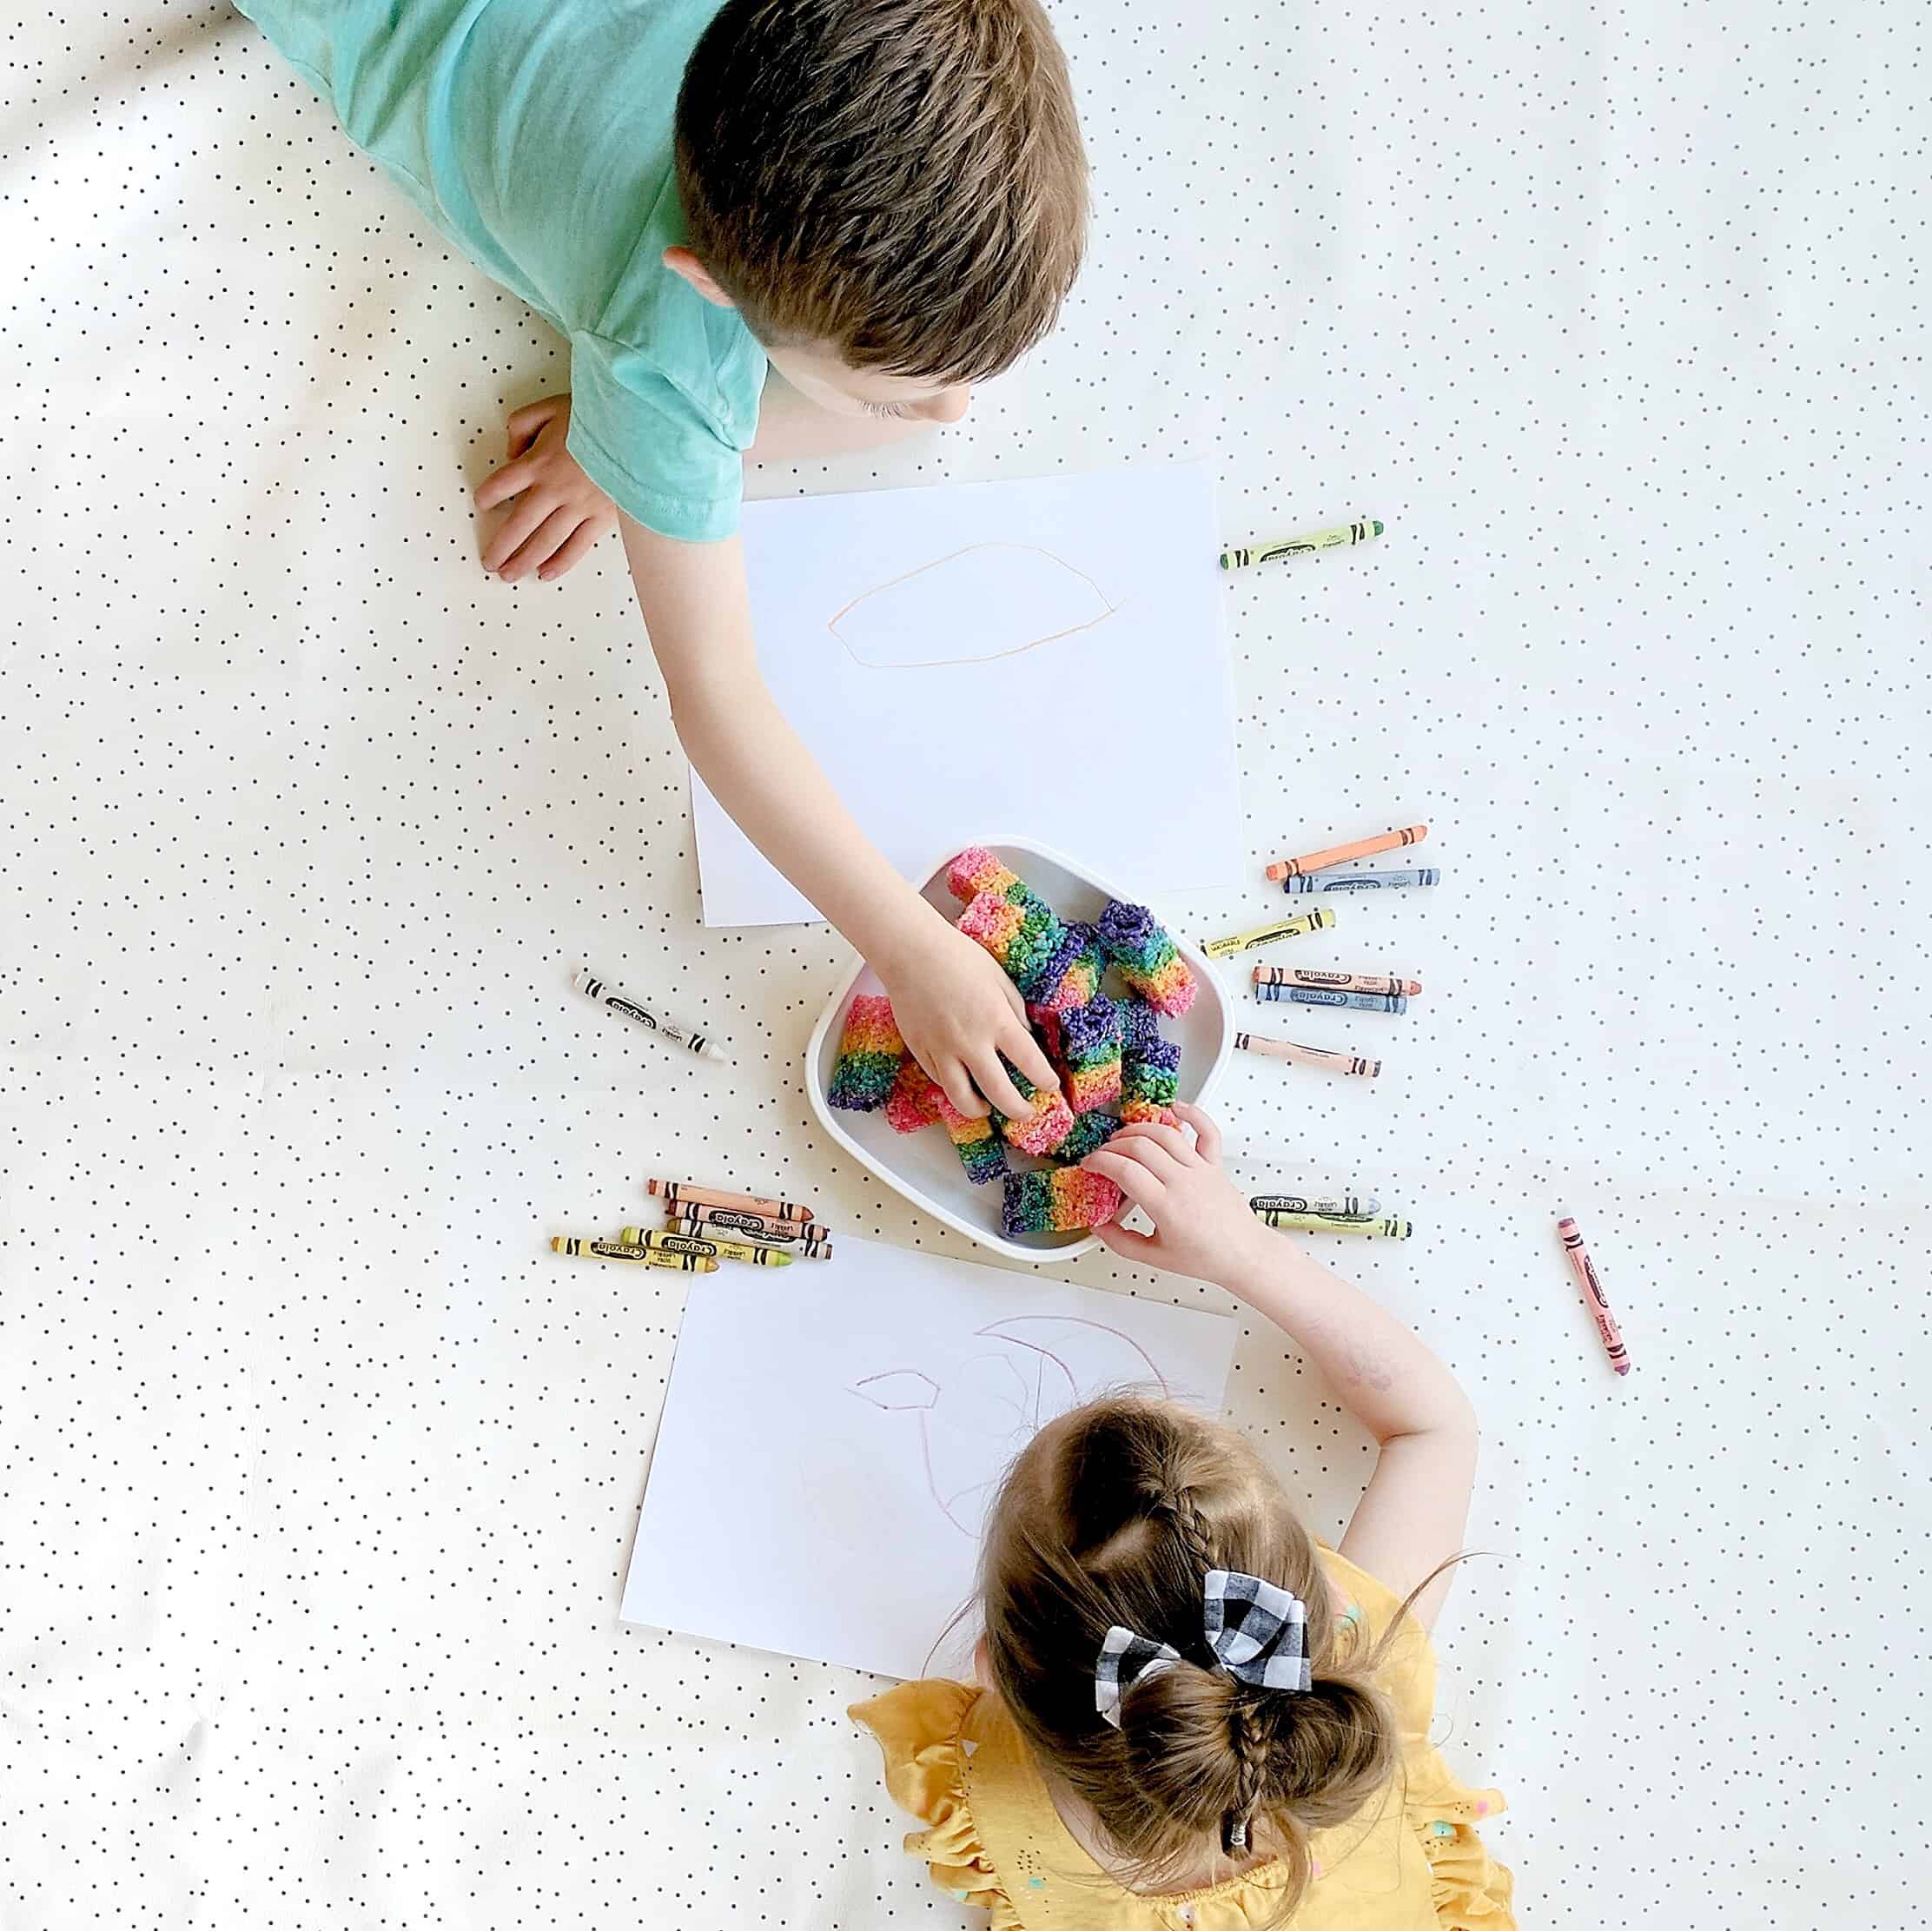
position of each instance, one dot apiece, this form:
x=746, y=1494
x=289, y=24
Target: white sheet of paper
x=989, y=657
x=832, y=1432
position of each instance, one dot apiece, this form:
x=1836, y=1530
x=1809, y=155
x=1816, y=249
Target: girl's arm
x=957, y=1011
x=1412, y=1515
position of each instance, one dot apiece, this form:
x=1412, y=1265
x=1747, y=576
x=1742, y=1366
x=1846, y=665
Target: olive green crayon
x=664, y=1241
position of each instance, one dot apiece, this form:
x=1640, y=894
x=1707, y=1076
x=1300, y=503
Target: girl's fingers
x=544, y=541
x=500, y=484
x=1170, y=1140
x=1143, y=1146
x=1206, y=1134
x=582, y=541
x=1141, y=1186
x=1125, y=1243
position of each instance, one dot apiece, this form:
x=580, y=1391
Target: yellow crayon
x=662, y=1241
x=638, y=1256
x=1317, y=920
x=1336, y=1223
x=1358, y=531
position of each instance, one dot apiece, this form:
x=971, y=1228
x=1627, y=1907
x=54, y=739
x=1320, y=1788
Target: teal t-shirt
x=537, y=135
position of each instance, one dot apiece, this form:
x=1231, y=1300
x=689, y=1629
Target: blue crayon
x=1361, y=881
x=1319, y=995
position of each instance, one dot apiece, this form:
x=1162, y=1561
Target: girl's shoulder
x=956, y=1760
x=927, y=1733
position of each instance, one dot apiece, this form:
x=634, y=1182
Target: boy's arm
x=956, y=1008
x=1412, y=1517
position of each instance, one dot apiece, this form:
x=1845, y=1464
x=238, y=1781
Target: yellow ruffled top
x=1410, y=1861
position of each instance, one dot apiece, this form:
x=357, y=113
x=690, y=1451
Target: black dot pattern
x=319, y=1473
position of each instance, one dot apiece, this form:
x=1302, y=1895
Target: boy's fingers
x=500, y=484
x=1206, y=1134
x=522, y=429
x=992, y=1080
x=583, y=539
x=1023, y=1049
x=957, y=1083
x=1133, y=1179
x=544, y=541
x=528, y=517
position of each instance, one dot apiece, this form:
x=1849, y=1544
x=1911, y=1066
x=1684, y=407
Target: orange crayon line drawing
x=1109, y=609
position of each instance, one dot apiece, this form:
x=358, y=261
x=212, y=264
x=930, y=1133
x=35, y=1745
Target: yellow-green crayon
x=1338, y=539
x=1336, y=1223
x=672, y=1242
x=638, y=1256
x=1317, y=920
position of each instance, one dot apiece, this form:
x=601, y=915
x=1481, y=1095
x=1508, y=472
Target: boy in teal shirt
x=767, y=228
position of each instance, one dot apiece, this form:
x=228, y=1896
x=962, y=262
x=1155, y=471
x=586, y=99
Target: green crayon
x=1339, y=538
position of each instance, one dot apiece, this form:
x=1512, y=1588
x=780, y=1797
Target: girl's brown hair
x=1114, y=1515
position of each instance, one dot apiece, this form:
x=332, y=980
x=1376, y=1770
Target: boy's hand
x=957, y=1013
x=1204, y=1227
x=559, y=512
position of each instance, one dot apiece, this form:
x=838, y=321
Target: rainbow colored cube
x=1150, y=1066
x=1018, y=928
x=1138, y=943
x=871, y=1054
x=979, y=1148
x=1091, y=1132
x=976, y=871
x=915, y=1099
x=1063, y=1200
x=1090, y=1044
x=1071, y=977
x=1050, y=1122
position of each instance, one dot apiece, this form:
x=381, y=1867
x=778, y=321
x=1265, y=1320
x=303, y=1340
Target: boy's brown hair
x=1114, y=1514
x=903, y=179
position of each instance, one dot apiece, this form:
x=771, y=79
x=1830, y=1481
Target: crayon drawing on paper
x=828, y=1454
x=986, y=655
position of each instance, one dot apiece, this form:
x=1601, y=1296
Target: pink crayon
x=1594, y=1297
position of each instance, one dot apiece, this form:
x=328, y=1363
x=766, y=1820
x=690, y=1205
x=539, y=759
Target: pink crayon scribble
x=912, y=1391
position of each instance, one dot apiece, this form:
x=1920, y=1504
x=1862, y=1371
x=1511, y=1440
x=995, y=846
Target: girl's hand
x=559, y=512
x=957, y=1013
x=1204, y=1227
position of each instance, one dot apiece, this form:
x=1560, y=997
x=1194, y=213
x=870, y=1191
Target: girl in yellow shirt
x=1190, y=1714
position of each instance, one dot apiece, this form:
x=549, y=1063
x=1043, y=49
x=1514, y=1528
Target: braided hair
x=1114, y=1515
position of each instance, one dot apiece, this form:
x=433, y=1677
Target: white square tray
x=923, y=1165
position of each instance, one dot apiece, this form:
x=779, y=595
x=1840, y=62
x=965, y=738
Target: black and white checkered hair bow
x=1256, y=1632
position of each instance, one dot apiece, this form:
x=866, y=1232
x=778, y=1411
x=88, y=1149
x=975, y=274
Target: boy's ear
x=681, y=260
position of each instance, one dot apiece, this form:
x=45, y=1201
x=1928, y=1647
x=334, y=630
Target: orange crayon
x=1339, y=855
x=1307, y=1056
x=1313, y=976
x=1594, y=1297
x=679, y=1194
